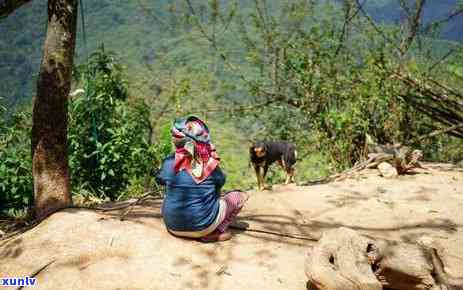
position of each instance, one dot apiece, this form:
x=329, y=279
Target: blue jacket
x=189, y=206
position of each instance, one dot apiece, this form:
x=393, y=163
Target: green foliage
x=164, y=144
x=109, y=139
x=16, y=188
x=334, y=79
x=108, y=136
x=332, y=87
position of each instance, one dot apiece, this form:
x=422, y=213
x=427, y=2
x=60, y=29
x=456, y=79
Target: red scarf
x=206, y=156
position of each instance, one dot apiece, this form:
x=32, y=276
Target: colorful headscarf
x=194, y=151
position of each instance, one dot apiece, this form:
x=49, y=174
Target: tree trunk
x=49, y=130
x=346, y=260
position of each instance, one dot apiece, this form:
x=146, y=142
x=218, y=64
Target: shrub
x=16, y=187
x=109, y=141
x=108, y=136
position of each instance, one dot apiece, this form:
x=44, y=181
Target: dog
x=264, y=153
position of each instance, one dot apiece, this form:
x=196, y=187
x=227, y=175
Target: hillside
x=138, y=253
x=351, y=88
x=142, y=33
x=389, y=11
x=268, y=70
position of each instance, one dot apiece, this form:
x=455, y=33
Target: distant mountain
x=136, y=30
x=21, y=37
x=389, y=11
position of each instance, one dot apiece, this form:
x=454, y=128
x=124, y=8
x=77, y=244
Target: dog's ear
x=265, y=146
x=251, y=145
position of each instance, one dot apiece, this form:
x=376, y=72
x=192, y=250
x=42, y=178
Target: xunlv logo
x=17, y=281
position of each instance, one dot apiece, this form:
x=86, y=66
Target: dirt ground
x=85, y=249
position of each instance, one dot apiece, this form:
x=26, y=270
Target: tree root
x=345, y=260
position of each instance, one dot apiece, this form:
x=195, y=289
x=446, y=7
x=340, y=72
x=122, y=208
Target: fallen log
x=345, y=260
x=402, y=158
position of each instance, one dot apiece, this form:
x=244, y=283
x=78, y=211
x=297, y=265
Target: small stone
x=387, y=170
x=381, y=189
x=425, y=241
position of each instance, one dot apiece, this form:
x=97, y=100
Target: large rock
x=87, y=250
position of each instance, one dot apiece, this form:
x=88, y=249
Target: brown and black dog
x=263, y=153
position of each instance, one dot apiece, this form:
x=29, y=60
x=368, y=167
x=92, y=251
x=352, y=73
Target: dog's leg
x=261, y=180
x=289, y=175
x=290, y=161
x=258, y=176
x=287, y=170
x=264, y=175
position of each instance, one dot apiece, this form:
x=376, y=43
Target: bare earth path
x=94, y=250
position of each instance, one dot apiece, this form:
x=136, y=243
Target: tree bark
x=49, y=130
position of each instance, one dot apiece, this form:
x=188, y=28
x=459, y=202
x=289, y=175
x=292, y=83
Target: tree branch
x=149, y=11
x=447, y=19
x=373, y=24
x=437, y=132
x=9, y=6
x=200, y=26
x=347, y=19
x=444, y=57
x=414, y=27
